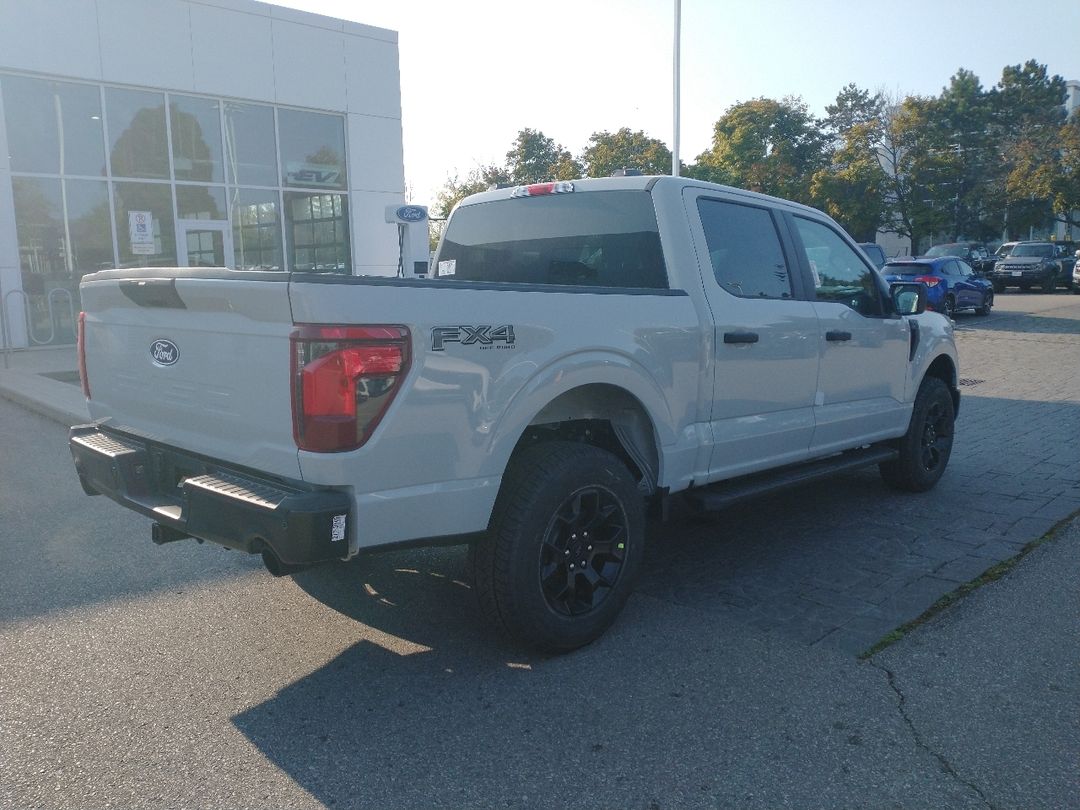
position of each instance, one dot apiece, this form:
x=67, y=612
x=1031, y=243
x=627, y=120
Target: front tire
x=927, y=445
x=564, y=547
x=987, y=304
x=999, y=287
x=1049, y=284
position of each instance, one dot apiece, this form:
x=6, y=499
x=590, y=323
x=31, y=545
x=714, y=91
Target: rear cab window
x=597, y=239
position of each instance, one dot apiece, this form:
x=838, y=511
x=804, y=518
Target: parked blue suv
x=950, y=282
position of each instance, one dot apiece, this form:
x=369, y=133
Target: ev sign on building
x=141, y=230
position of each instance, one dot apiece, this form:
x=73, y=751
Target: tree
x=853, y=107
x=911, y=155
x=455, y=189
x=961, y=116
x=1027, y=118
x=624, y=149
x=765, y=145
x=536, y=158
x=852, y=189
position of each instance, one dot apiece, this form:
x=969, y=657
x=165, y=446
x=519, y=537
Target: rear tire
x=564, y=547
x=927, y=445
x=950, y=307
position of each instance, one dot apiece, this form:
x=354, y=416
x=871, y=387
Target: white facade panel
x=372, y=72
x=309, y=66
x=50, y=36
x=305, y=18
x=146, y=43
x=376, y=154
x=375, y=246
x=356, y=29
x=232, y=53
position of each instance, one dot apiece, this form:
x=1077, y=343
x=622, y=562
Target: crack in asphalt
x=921, y=743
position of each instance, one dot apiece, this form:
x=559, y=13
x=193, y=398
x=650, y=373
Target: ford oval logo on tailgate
x=164, y=353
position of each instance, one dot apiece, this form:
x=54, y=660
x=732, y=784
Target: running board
x=723, y=494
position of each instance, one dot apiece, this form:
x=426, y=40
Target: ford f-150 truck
x=581, y=353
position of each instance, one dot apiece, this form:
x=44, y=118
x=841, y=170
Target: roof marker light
x=540, y=189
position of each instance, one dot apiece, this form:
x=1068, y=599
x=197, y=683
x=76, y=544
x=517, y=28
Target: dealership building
x=188, y=132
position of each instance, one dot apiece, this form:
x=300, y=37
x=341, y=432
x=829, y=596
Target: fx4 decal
x=484, y=336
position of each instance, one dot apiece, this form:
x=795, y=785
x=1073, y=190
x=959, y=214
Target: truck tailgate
x=194, y=361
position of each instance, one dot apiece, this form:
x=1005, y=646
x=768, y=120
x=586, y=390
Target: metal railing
x=32, y=336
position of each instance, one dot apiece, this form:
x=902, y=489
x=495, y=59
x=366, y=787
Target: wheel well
x=604, y=416
x=944, y=370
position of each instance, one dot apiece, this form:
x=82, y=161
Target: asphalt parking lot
x=139, y=676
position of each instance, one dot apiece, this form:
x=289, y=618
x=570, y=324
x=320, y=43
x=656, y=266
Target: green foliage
x=853, y=107
x=455, y=189
x=765, y=145
x=610, y=151
x=852, y=189
x=536, y=158
x=967, y=163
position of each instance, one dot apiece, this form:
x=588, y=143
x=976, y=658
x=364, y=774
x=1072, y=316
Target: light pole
x=675, y=104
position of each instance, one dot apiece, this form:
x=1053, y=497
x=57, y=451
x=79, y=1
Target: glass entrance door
x=205, y=243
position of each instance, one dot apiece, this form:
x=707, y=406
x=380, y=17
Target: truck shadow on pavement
x=823, y=569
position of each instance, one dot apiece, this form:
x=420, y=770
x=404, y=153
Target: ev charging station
x=413, y=250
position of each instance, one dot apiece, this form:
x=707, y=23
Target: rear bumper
x=201, y=498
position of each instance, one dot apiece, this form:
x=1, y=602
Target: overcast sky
x=474, y=72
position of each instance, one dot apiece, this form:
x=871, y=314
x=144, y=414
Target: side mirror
x=909, y=298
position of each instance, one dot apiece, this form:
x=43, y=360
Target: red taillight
x=541, y=189
x=81, y=341
x=929, y=281
x=344, y=378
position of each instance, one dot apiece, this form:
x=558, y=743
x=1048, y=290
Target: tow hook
x=166, y=534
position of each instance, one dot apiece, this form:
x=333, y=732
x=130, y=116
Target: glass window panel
x=155, y=198
x=39, y=229
x=323, y=245
x=88, y=224
x=312, y=149
x=53, y=127
x=602, y=239
x=840, y=274
x=200, y=202
x=138, y=146
x=196, y=138
x=256, y=230
x=47, y=279
x=250, y=146
x=744, y=249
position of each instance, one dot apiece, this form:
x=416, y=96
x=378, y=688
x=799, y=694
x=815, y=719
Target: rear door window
x=745, y=250
x=580, y=239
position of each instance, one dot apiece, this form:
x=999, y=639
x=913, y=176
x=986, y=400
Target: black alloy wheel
x=923, y=452
x=583, y=550
x=936, y=436
x=987, y=304
x=564, y=546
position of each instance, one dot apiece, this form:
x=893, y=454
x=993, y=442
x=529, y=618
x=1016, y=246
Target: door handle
x=837, y=336
x=740, y=337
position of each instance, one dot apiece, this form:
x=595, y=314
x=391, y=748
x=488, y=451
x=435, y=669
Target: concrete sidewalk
x=45, y=380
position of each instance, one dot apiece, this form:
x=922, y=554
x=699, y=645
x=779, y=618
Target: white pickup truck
x=581, y=352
